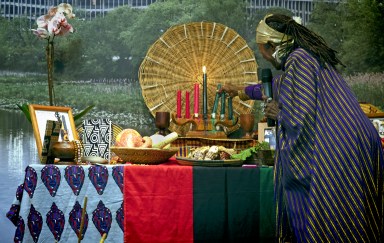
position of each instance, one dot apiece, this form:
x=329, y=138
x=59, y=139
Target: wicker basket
x=174, y=62
x=150, y=156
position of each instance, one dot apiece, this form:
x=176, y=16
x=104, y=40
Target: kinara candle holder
x=210, y=127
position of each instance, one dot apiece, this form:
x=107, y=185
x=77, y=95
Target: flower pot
x=266, y=157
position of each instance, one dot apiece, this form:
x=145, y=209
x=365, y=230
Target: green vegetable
x=244, y=154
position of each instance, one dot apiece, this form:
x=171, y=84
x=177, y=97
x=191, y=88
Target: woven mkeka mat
x=175, y=61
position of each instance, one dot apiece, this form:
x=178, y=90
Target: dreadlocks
x=304, y=38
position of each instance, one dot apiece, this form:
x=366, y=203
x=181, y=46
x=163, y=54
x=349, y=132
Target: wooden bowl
x=144, y=155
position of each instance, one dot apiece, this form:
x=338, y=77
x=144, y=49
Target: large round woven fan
x=175, y=61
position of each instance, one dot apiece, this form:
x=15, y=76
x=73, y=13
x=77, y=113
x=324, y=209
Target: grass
x=120, y=100
x=368, y=87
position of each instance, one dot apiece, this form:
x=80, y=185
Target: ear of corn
x=167, y=140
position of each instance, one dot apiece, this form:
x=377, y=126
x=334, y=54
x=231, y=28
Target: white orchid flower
x=41, y=33
x=65, y=8
x=54, y=23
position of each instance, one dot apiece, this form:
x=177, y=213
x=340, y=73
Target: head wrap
x=265, y=34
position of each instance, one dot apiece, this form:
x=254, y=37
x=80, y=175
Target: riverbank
x=120, y=100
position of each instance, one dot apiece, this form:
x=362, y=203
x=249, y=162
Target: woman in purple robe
x=329, y=162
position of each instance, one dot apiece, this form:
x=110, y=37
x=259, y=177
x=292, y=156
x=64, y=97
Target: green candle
x=205, y=94
x=222, y=113
x=216, y=102
x=230, y=109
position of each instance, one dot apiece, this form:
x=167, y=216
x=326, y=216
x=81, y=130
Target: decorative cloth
x=49, y=203
x=138, y=203
x=96, y=137
x=198, y=204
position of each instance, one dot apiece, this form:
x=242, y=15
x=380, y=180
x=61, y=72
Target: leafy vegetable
x=244, y=154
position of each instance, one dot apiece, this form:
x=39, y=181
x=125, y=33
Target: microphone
x=266, y=79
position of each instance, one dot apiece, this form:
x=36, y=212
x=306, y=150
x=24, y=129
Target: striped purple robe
x=329, y=161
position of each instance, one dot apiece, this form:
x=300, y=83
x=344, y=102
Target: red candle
x=187, y=112
x=196, y=100
x=178, y=104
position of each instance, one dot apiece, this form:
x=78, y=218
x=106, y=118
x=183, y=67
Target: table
x=158, y=203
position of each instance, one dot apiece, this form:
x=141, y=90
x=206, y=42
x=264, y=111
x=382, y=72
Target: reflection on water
x=17, y=150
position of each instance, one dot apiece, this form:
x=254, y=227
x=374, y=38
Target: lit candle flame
x=204, y=69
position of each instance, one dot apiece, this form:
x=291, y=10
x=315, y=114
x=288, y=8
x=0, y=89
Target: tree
x=327, y=21
x=364, y=45
x=151, y=23
x=355, y=29
x=19, y=46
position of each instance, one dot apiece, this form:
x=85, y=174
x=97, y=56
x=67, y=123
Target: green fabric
x=267, y=205
x=233, y=204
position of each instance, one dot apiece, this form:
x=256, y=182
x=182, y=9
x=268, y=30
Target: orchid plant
x=53, y=24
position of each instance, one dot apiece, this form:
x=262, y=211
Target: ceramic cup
x=247, y=122
x=162, y=121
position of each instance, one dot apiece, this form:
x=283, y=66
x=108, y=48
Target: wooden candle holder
x=199, y=129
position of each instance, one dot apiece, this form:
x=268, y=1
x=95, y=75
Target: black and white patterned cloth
x=96, y=137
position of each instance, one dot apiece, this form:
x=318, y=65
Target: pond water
x=17, y=150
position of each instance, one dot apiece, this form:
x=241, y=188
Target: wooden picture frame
x=261, y=128
x=266, y=134
x=40, y=114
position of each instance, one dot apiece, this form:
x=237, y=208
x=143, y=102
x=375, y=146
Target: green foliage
x=244, y=154
x=25, y=109
x=115, y=45
x=368, y=87
x=150, y=24
x=77, y=117
x=365, y=36
x=122, y=102
x=355, y=29
x=17, y=45
x=326, y=20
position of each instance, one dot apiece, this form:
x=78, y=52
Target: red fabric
x=158, y=204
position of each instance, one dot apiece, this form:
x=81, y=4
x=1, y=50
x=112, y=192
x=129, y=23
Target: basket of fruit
x=131, y=147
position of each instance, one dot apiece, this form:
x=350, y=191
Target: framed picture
x=264, y=132
x=378, y=122
x=40, y=114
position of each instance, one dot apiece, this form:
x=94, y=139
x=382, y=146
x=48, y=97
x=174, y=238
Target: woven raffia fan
x=174, y=62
